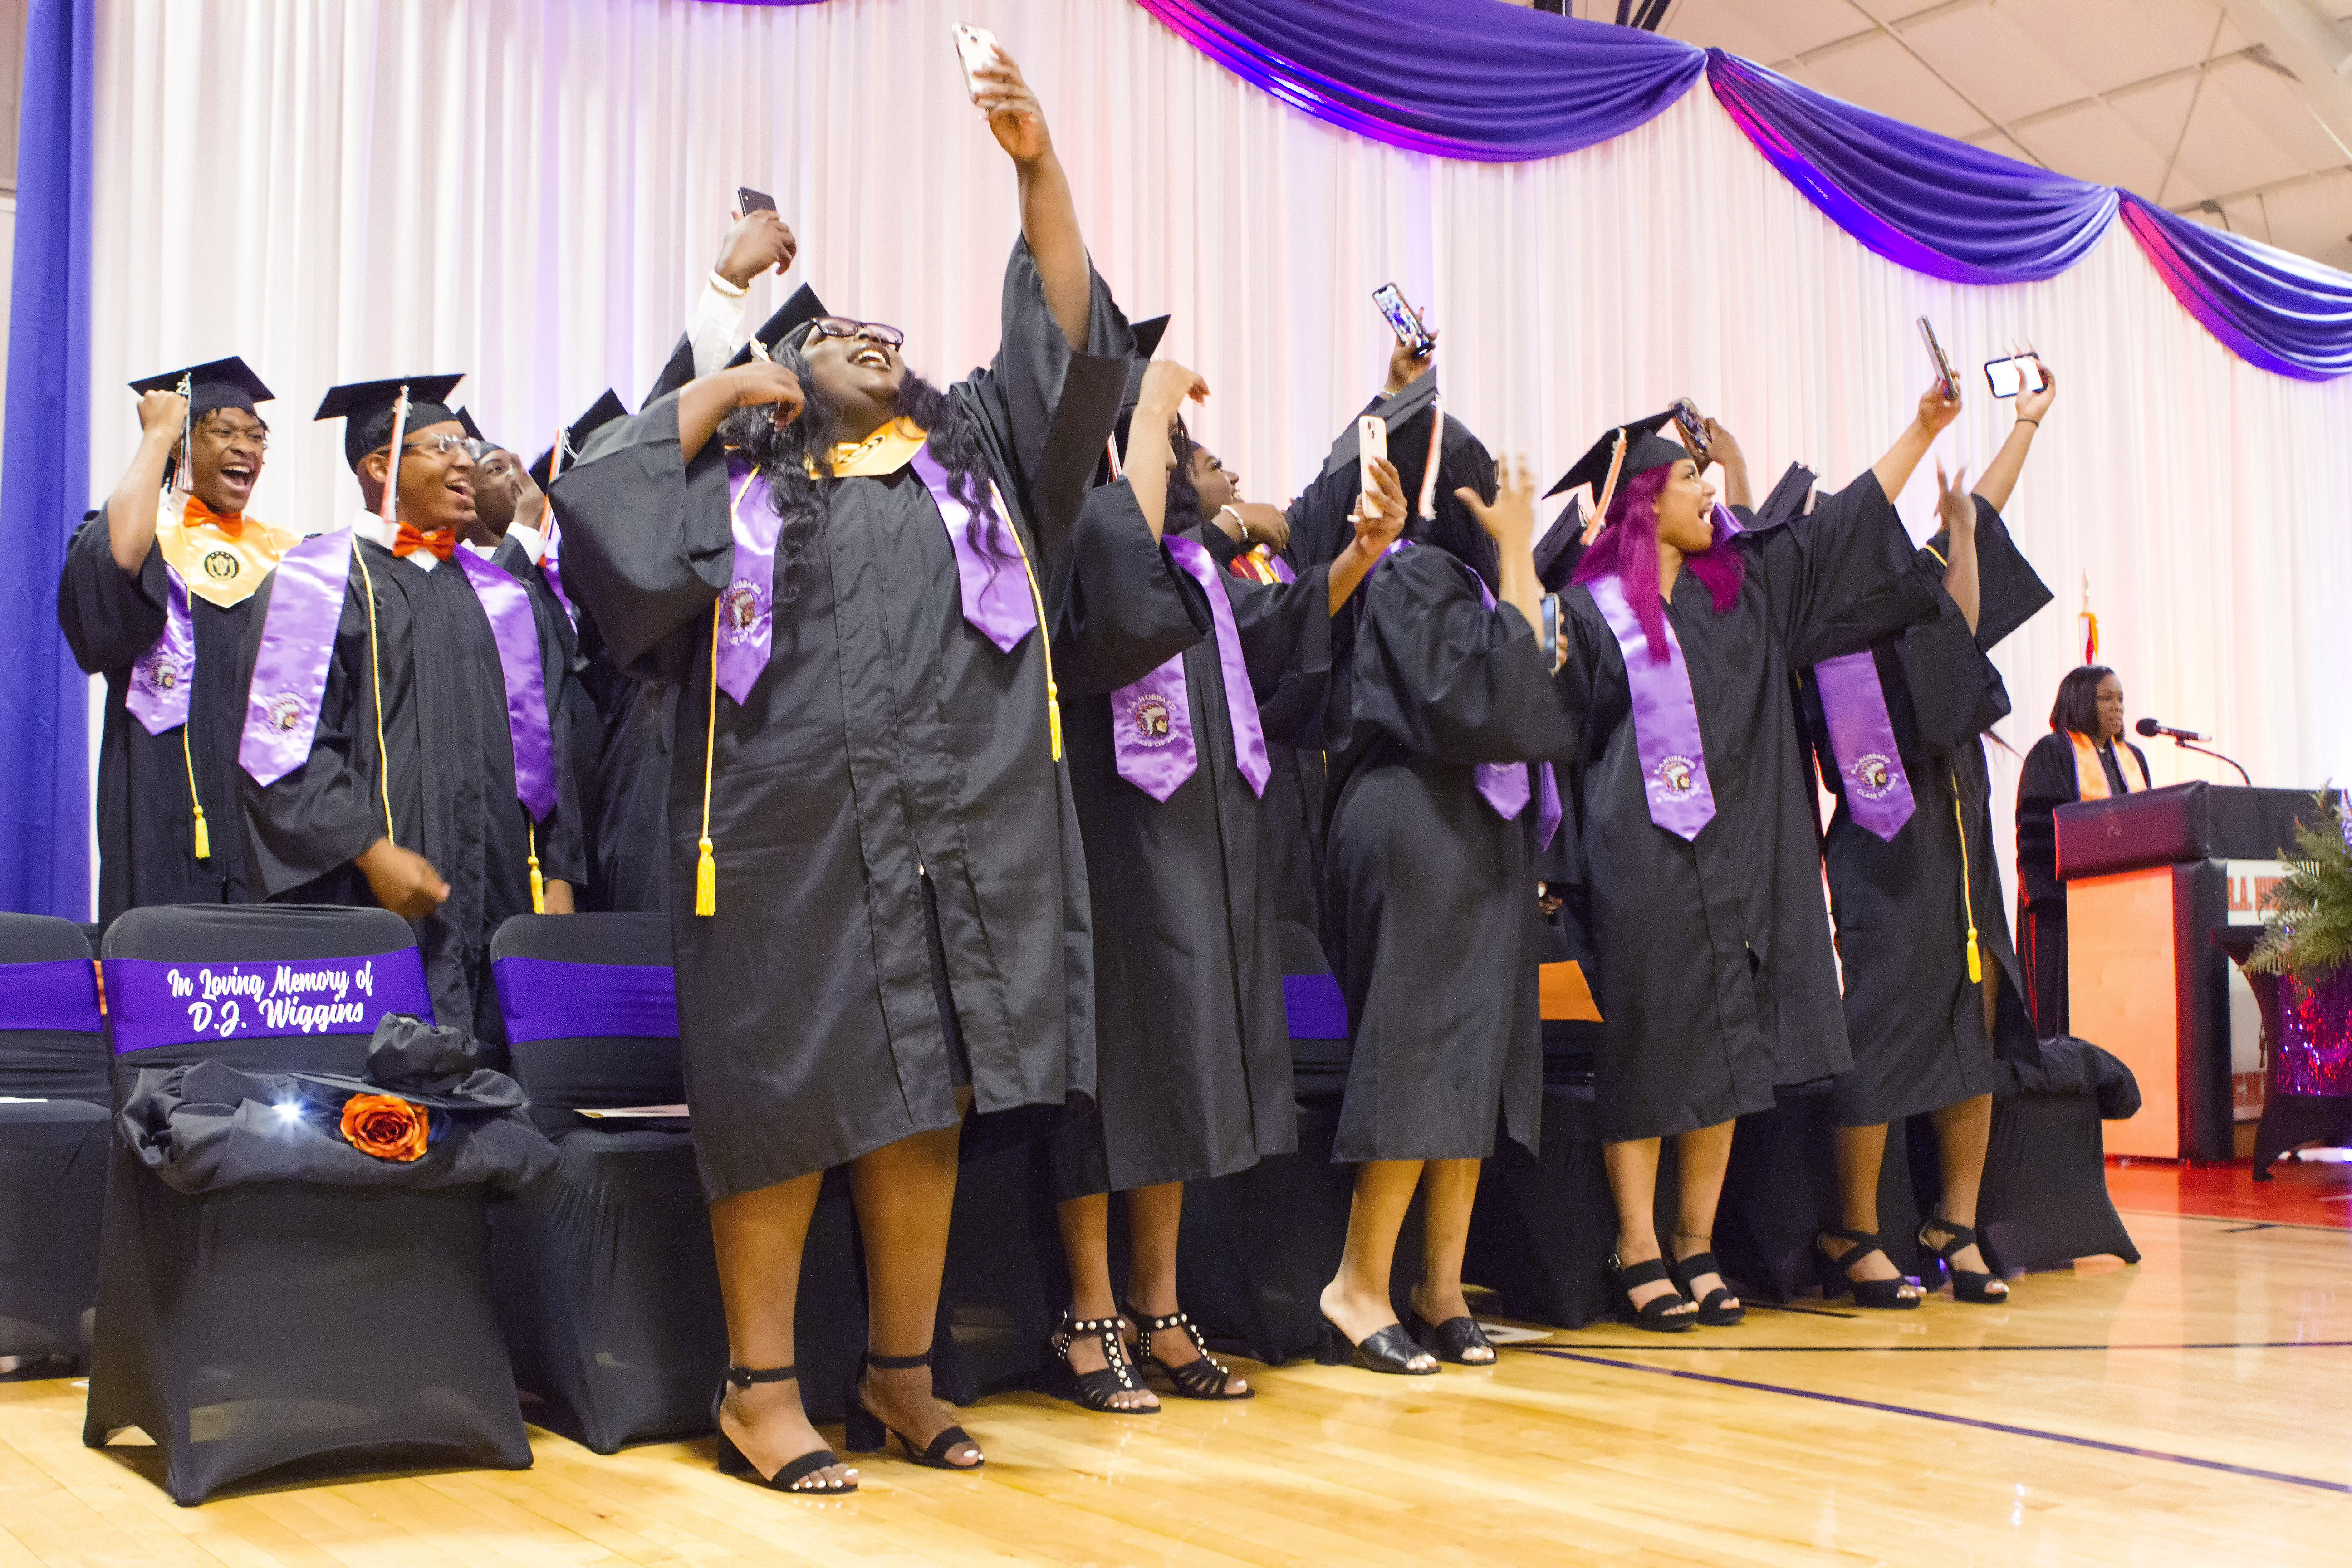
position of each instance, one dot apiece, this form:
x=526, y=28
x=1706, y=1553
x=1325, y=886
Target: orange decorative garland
x=385, y=1126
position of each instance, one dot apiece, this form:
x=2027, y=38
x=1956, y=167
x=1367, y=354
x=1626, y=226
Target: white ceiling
x=2234, y=112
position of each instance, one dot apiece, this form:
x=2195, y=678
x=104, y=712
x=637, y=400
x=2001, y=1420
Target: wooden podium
x=2147, y=878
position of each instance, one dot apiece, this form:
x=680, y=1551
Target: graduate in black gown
x=2083, y=757
x=1701, y=892
x=1178, y=673
x=1441, y=701
x=157, y=590
x=879, y=894
x=1913, y=883
x=401, y=747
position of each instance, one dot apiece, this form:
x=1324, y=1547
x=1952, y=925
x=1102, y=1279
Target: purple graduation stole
x=298, y=643
x=157, y=695
x=1505, y=784
x=995, y=598
x=747, y=610
x=1666, y=718
x=1151, y=719
x=507, y=603
x=1869, y=764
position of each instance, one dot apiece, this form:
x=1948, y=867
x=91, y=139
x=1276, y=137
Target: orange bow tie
x=231, y=523
x=442, y=545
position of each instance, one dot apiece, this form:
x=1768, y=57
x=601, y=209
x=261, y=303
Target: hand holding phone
x=748, y=200
x=976, y=51
x=1950, y=384
x=1372, y=446
x=1403, y=320
x=2019, y=372
x=1693, y=426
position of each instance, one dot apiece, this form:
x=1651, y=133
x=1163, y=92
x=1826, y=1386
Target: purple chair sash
x=547, y=999
x=298, y=643
x=746, y=623
x=1862, y=735
x=508, y=605
x=1665, y=719
x=157, y=1002
x=50, y=993
x=157, y=694
x=1151, y=719
x=1318, y=1011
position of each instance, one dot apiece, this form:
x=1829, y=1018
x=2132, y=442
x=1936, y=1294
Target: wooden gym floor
x=2195, y=1409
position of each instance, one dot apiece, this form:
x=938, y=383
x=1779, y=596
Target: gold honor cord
x=1967, y=893
x=705, y=862
x=387, y=511
x=203, y=836
x=1053, y=692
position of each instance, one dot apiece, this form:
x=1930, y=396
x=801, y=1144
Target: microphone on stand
x=2180, y=737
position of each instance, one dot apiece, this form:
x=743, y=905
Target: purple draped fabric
x=1460, y=78
x=1935, y=206
x=2283, y=312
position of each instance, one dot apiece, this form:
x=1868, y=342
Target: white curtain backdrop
x=531, y=191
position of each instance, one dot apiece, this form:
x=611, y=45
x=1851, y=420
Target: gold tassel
x=538, y=882
x=706, y=881
x=706, y=864
x=1975, y=963
x=1967, y=893
x=1053, y=713
x=204, y=837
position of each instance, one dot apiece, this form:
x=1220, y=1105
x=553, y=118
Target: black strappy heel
x=1886, y=1295
x=1202, y=1377
x=1097, y=1389
x=1712, y=1313
x=1659, y=1314
x=1967, y=1284
x=732, y=1460
x=863, y=1432
x=1451, y=1339
x=1389, y=1349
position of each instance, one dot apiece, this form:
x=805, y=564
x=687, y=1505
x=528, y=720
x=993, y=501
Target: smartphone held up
x=1403, y=320
x=976, y=49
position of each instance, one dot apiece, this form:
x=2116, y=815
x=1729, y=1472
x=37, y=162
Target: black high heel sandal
x=863, y=1432
x=1388, y=1349
x=1202, y=1377
x=1451, y=1339
x=732, y=1460
x=1095, y=1389
x=1712, y=1313
x=1885, y=1295
x=1967, y=1284
x=1659, y=1314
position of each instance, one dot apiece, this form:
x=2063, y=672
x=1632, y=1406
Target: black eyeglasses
x=873, y=331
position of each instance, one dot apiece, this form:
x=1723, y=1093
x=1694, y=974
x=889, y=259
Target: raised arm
x=703, y=404
x=131, y=510
x=1510, y=522
x=1723, y=449
x=2000, y=477
x=1959, y=514
x=1049, y=218
x=1894, y=471
x=1379, y=519
x=1150, y=451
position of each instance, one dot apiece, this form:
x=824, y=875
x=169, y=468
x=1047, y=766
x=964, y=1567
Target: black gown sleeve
x=2010, y=593
x=1120, y=609
x=1449, y=678
x=321, y=816
x=1286, y=637
x=1956, y=693
x=2045, y=784
x=1840, y=578
x=111, y=617
x=647, y=544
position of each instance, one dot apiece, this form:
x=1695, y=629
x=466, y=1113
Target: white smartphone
x=975, y=48
x=1372, y=446
x=2007, y=377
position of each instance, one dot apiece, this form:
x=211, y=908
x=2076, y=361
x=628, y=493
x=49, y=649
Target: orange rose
x=385, y=1126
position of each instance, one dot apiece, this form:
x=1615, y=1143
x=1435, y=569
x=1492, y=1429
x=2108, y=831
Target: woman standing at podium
x=2078, y=760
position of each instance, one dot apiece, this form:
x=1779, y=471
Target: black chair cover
x=53, y=1138
x=265, y=1323
x=2045, y=1199
x=606, y=1285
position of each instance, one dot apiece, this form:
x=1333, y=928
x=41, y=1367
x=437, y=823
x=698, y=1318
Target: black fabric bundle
x=2069, y=1066
x=205, y=1127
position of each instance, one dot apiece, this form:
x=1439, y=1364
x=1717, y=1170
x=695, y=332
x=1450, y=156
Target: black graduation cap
x=473, y=431
x=223, y=383
x=1644, y=449
x=1561, y=547
x=607, y=408
x=1397, y=410
x=794, y=313
x=366, y=409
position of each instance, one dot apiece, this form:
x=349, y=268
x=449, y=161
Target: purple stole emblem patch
x=161, y=680
x=1869, y=764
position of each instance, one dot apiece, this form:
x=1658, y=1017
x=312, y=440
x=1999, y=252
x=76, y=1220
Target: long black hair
x=803, y=497
x=2077, y=707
